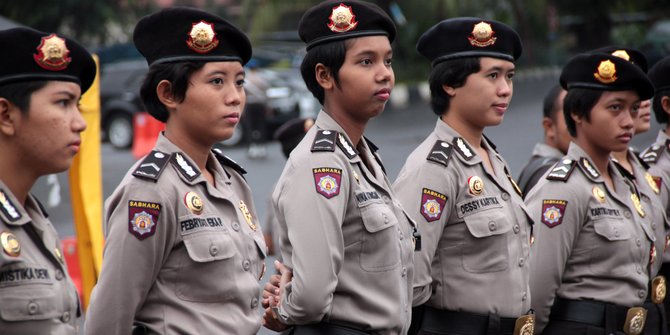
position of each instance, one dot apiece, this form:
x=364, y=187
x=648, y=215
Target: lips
x=626, y=137
x=74, y=145
x=501, y=107
x=383, y=94
x=232, y=118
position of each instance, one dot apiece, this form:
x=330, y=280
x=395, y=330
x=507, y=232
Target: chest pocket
x=380, y=249
x=208, y=273
x=485, y=248
x=29, y=302
x=612, y=229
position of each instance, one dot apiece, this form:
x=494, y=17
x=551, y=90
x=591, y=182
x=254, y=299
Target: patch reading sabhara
x=432, y=204
x=553, y=212
x=142, y=218
x=327, y=181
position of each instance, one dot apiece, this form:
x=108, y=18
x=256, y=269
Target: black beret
x=632, y=55
x=469, y=37
x=605, y=72
x=338, y=20
x=32, y=55
x=660, y=74
x=292, y=132
x=186, y=34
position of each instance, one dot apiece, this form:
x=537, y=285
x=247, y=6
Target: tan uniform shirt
x=658, y=158
x=344, y=234
x=543, y=158
x=475, y=239
x=37, y=295
x=591, y=243
x=182, y=256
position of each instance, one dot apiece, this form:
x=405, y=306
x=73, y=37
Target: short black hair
x=178, y=74
x=19, y=93
x=453, y=73
x=549, y=103
x=661, y=115
x=332, y=56
x=579, y=101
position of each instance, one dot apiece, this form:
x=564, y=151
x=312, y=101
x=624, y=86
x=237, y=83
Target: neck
x=353, y=127
x=472, y=134
x=198, y=152
x=600, y=158
x=667, y=129
x=19, y=178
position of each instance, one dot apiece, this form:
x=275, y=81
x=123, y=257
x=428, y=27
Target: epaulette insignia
x=440, y=153
x=654, y=182
x=227, y=161
x=152, y=166
x=588, y=168
x=562, y=170
x=8, y=209
x=324, y=140
x=185, y=167
x=652, y=154
x=463, y=148
x=346, y=146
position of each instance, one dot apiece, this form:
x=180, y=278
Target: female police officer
x=42, y=77
x=472, y=273
x=594, y=246
x=342, y=233
x=184, y=251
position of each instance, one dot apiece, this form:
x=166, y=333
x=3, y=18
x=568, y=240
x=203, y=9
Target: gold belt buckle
x=658, y=289
x=635, y=319
x=525, y=325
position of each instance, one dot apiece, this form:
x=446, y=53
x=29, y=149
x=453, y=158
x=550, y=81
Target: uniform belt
x=609, y=316
x=441, y=320
x=324, y=328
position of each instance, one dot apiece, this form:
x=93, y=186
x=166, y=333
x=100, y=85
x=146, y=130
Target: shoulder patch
x=152, y=166
x=327, y=181
x=432, y=204
x=346, y=146
x=652, y=154
x=562, y=170
x=227, y=161
x=324, y=140
x=185, y=167
x=8, y=208
x=440, y=153
x=588, y=168
x=553, y=212
x=463, y=148
x=143, y=218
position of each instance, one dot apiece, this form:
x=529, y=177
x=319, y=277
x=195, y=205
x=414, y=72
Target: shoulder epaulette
x=588, y=168
x=652, y=154
x=185, y=167
x=346, y=146
x=463, y=148
x=7, y=207
x=562, y=170
x=227, y=161
x=440, y=153
x=324, y=140
x=152, y=165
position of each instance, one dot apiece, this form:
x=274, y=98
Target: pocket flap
x=209, y=247
x=488, y=223
x=28, y=304
x=611, y=229
x=378, y=217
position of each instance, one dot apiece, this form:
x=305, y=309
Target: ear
x=548, y=126
x=576, y=118
x=665, y=103
x=165, y=96
x=324, y=77
x=9, y=114
x=451, y=91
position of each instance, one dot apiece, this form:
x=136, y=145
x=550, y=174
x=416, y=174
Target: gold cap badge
x=599, y=194
x=247, y=215
x=606, y=72
x=10, y=244
x=476, y=185
x=621, y=54
x=202, y=38
x=193, y=202
x=52, y=53
x=342, y=19
x=482, y=35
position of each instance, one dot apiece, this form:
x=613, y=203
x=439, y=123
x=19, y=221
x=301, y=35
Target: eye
x=493, y=75
x=615, y=107
x=510, y=75
x=366, y=61
x=216, y=81
x=388, y=61
x=240, y=83
x=62, y=102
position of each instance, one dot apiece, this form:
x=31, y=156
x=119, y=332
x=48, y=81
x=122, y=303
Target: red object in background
x=145, y=133
x=72, y=261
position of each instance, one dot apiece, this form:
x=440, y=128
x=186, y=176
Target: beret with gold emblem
x=632, y=55
x=32, y=55
x=332, y=21
x=469, y=37
x=659, y=74
x=180, y=34
x=605, y=72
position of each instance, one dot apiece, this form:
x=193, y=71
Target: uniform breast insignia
x=185, y=167
x=7, y=208
x=193, y=203
x=553, y=212
x=10, y=244
x=658, y=290
x=142, y=218
x=440, y=153
x=588, y=168
x=342, y=19
x=475, y=185
x=653, y=154
x=346, y=146
x=638, y=205
x=516, y=187
x=599, y=194
x=432, y=204
x=562, y=170
x=152, y=166
x=635, y=320
x=202, y=38
x=247, y=215
x=324, y=140
x=327, y=181
x=59, y=255
x=463, y=148
x=654, y=182
x=525, y=325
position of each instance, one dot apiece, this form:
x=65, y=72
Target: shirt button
x=386, y=218
x=516, y=229
x=638, y=269
x=32, y=308
x=246, y=265
x=66, y=317
x=492, y=226
x=254, y=303
x=641, y=294
x=213, y=250
x=236, y=226
x=638, y=242
x=59, y=275
x=627, y=214
x=404, y=271
x=616, y=233
x=521, y=262
x=505, y=196
x=653, y=226
x=524, y=297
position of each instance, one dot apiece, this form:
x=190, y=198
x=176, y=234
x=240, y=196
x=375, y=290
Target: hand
x=270, y=319
x=271, y=289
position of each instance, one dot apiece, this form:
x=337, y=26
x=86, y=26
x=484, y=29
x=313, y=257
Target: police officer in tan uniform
x=594, y=238
x=42, y=77
x=471, y=276
x=184, y=251
x=342, y=233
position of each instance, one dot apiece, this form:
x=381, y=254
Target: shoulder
x=152, y=166
x=562, y=170
x=226, y=161
x=654, y=153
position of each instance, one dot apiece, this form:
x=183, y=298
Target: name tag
x=197, y=224
x=478, y=204
x=26, y=275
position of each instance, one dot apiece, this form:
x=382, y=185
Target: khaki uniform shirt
x=37, y=296
x=543, y=158
x=658, y=158
x=591, y=243
x=475, y=238
x=344, y=234
x=182, y=256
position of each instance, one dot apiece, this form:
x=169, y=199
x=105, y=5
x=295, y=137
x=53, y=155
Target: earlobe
x=164, y=94
x=323, y=76
x=665, y=104
x=449, y=90
x=7, y=118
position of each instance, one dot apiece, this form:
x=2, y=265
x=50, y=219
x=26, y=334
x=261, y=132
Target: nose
x=385, y=73
x=78, y=123
x=628, y=121
x=235, y=96
x=506, y=87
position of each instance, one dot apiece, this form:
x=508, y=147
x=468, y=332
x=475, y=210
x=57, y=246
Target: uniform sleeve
x=417, y=189
x=547, y=203
x=312, y=243
x=130, y=264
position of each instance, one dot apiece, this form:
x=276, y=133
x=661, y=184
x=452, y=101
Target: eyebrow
x=224, y=73
x=371, y=53
x=69, y=94
x=500, y=69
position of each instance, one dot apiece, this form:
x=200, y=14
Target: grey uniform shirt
x=475, y=244
x=658, y=158
x=544, y=157
x=180, y=254
x=37, y=296
x=591, y=241
x=342, y=231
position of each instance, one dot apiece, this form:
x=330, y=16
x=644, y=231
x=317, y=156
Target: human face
x=611, y=123
x=643, y=119
x=48, y=134
x=560, y=129
x=484, y=97
x=366, y=79
x=213, y=103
